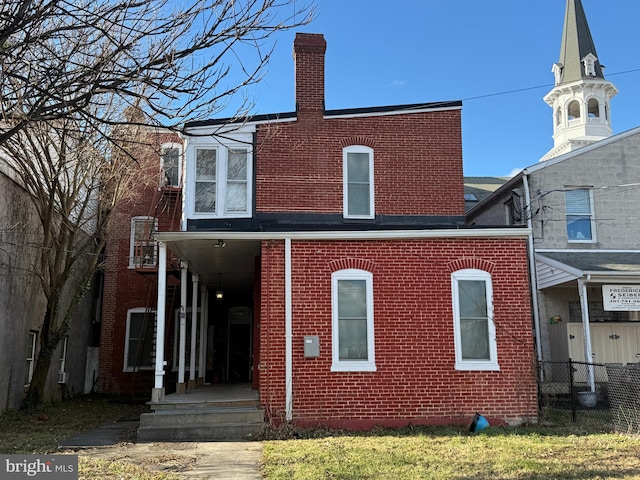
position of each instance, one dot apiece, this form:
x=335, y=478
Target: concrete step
x=201, y=424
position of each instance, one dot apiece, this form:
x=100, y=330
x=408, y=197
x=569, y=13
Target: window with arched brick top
x=474, y=328
x=358, y=182
x=352, y=321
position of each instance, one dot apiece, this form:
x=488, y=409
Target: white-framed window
x=187, y=343
x=31, y=357
x=143, y=249
x=352, y=321
x=473, y=325
x=140, y=340
x=358, y=182
x=171, y=164
x=222, y=184
x=579, y=215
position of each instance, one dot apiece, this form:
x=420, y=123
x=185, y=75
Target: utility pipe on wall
x=533, y=279
x=288, y=331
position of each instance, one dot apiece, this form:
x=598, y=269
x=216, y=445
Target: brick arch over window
x=470, y=262
x=357, y=140
x=352, y=263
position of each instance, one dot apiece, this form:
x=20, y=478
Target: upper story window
x=143, y=249
x=140, y=342
x=352, y=321
x=358, y=182
x=579, y=215
x=171, y=165
x=474, y=329
x=222, y=182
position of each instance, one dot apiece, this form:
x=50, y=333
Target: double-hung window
x=352, y=321
x=474, y=329
x=222, y=182
x=143, y=247
x=140, y=343
x=579, y=215
x=358, y=182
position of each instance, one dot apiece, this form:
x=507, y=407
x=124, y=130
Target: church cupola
x=581, y=96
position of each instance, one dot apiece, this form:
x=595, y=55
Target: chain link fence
x=600, y=396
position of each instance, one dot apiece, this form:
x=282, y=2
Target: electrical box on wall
x=311, y=346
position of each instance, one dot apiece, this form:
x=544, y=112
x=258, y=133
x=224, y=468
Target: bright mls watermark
x=51, y=467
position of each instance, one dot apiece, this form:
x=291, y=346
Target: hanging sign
x=621, y=297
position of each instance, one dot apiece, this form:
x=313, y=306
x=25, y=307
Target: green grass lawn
x=561, y=451
x=450, y=453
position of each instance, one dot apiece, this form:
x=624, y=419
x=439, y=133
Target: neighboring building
x=582, y=209
x=477, y=189
x=326, y=256
x=22, y=307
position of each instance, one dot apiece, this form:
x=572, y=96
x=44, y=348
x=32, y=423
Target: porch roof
x=233, y=265
x=557, y=267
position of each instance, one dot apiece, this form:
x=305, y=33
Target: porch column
x=204, y=319
x=181, y=387
x=194, y=331
x=157, y=394
x=584, y=307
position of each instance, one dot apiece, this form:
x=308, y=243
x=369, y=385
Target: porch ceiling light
x=219, y=292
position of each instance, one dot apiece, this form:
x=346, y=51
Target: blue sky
x=413, y=51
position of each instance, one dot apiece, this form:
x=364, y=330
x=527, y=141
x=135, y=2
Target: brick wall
x=417, y=163
x=415, y=381
x=126, y=288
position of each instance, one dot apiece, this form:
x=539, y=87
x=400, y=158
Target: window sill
x=477, y=366
x=353, y=367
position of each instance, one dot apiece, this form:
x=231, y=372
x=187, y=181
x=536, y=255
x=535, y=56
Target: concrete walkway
x=201, y=460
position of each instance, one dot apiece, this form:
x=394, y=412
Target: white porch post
x=288, y=320
x=180, y=388
x=584, y=307
x=204, y=318
x=194, y=331
x=157, y=394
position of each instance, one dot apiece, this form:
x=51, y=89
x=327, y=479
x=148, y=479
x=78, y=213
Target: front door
x=239, y=363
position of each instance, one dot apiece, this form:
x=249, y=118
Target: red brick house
x=351, y=294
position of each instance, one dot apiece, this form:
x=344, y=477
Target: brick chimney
x=308, y=55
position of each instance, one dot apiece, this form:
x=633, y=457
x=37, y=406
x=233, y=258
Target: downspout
x=288, y=331
x=158, y=391
x=532, y=266
x=584, y=307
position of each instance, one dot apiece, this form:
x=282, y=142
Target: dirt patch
x=201, y=460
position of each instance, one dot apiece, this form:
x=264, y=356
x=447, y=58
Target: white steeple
x=581, y=96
